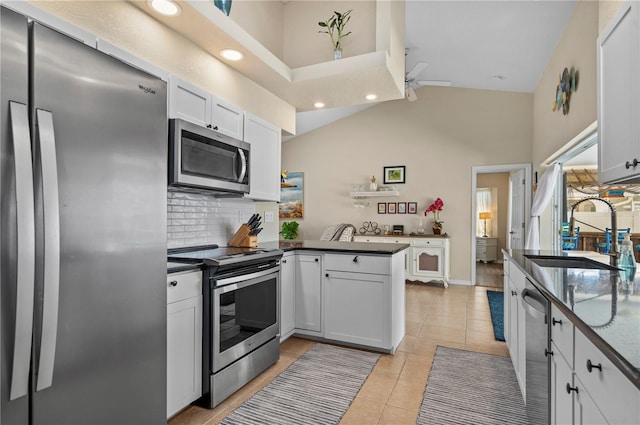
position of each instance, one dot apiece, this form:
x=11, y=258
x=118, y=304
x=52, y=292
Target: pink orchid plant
x=435, y=208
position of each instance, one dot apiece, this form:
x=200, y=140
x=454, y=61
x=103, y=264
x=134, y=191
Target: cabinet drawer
x=181, y=286
x=614, y=394
x=358, y=263
x=562, y=334
x=427, y=242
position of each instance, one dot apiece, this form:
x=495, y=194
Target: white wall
x=438, y=138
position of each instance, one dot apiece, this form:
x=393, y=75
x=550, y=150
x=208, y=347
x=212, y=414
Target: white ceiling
x=470, y=42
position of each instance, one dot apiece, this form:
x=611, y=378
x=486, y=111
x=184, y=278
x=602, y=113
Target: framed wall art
x=391, y=208
x=402, y=207
x=382, y=208
x=292, y=195
x=412, y=208
x=394, y=175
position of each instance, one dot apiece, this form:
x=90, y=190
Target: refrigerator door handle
x=25, y=267
x=46, y=147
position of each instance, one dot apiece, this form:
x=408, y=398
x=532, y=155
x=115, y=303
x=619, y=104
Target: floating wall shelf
x=377, y=194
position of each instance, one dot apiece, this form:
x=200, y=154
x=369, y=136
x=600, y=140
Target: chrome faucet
x=613, y=251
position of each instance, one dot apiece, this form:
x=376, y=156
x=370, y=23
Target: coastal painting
x=291, y=195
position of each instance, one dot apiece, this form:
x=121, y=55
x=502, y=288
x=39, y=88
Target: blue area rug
x=496, y=305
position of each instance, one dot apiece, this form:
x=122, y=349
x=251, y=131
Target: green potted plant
x=334, y=26
x=290, y=229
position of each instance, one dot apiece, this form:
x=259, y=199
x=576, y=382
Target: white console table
x=426, y=260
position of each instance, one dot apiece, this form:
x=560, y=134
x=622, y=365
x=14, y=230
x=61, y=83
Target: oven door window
x=246, y=311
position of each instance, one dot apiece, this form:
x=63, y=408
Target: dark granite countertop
x=334, y=246
x=181, y=267
x=605, y=309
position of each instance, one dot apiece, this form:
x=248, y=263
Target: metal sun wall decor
x=567, y=84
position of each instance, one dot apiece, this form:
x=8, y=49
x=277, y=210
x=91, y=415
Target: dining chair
x=605, y=246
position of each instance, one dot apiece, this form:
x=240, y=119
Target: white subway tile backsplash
x=199, y=219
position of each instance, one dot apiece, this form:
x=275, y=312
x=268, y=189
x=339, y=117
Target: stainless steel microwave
x=202, y=159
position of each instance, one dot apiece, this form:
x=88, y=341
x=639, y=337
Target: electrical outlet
x=268, y=216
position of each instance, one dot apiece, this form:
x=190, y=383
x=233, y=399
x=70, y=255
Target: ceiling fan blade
x=416, y=70
x=441, y=83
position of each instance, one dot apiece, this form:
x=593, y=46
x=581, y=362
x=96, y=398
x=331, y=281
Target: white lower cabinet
x=184, y=339
x=364, y=299
x=308, y=293
x=356, y=308
x=586, y=388
x=514, y=321
x=288, y=295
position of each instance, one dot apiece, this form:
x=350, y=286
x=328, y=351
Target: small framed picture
x=391, y=208
x=413, y=208
x=382, y=208
x=394, y=175
x=402, y=207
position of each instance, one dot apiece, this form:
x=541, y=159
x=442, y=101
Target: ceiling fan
x=410, y=82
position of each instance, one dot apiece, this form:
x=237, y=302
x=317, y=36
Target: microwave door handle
x=243, y=160
x=25, y=258
x=47, y=149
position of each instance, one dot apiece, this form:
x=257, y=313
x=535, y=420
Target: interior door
x=516, y=209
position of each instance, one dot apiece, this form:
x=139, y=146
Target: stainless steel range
x=241, y=329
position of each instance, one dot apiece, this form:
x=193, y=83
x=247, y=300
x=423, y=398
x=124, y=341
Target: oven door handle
x=242, y=278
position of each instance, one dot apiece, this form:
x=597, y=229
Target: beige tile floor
x=455, y=317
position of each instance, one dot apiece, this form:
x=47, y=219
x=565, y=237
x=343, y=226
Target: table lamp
x=484, y=216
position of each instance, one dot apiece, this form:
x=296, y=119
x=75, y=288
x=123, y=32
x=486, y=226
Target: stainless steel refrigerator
x=83, y=154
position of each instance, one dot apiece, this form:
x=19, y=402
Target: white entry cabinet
x=184, y=339
x=264, y=163
x=288, y=295
x=308, y=294
x=619, y=97
x=427, y=259
x=198, y=106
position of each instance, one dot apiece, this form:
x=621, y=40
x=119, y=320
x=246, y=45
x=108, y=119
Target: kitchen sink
x=568, y=262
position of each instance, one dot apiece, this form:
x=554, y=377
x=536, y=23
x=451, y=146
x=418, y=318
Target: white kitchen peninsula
x=345, y=292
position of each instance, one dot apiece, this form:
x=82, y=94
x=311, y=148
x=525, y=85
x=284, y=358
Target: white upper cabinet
x=264, y=162
x=198, y=106
x=619, y=97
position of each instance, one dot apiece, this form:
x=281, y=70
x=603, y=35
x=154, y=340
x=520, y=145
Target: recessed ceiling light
x=319, y=105
x=165, y=7
x=231, y=54
x=371, y=96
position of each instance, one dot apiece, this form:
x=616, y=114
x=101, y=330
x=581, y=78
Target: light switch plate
x=268, y=216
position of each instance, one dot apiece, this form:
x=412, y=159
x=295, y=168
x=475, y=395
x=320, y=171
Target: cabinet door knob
x=514, y=293
x=355, y=259
x=326, y=275
x=554, y=321
x=591, y=366
x=173, y=283
x=317, y=260
x=548, y=353
x=284, y=261
x=570, y=388
x=633, y=164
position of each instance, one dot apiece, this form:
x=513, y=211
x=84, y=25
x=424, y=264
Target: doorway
x=505, y=224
